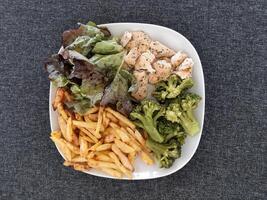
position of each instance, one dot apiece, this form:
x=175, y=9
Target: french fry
x=105, y=125
x=99, y=121
x=89, y=134
x=114, y=132
x=62, y=112
x=104, y=157
x=92, y=110
x=93, y=148
x=58, y=98
x=111, y=172
x=56, y=134
x=85, y=137
x=87, y=125
x=146, y=158
x=107, y=122
x=106, y=152
x=124, y=160
x=86, y=118
x=79, y=159
x=62, y=147
x=137, y=135
x=80, y=167
x=122, y=118
x=109, y=130
x=131, y=157
x=78, y=117
x=119, y=133
x=120, y=166
x=122, y=124
x=134, y=144
x=83, y=124
x=123, y=135
x=90, y=155
x=67, y=163
x=83, y=146
x=62, y=125
x=105, y=133
x=111, y=117
x=109, y=138
x=69, y=131
x=67, y=96
x=93, y=117
x=103, y=147
x=125, y=148
x=104, y=119
x=98, y=164
x=75, y=139
x=72, y=147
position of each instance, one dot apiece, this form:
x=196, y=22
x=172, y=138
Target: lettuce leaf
x=107, y=64
x=58, y=70
x=93, y=92
x=107, y=47
x=89, y=29
x=85, y=70
x=84, y=44
x=117, y=92
x=79, y=106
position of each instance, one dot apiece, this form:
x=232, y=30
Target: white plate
x=177, y=42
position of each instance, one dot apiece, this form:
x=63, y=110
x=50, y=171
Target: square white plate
x=177, y=42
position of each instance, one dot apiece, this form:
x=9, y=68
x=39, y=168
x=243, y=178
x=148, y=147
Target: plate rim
x=202, y=114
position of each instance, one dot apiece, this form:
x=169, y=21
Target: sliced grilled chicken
x=183, y=74
x=127, y=36
x=132, y=56
x=168, y=59
x=163, y=71
x=142, y=82
x=140, y=40
x=178, y=58
x=185, y=69
x=144, y=62
x=187, y=63
x=160, y=50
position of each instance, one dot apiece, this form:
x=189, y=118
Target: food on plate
x=172, y=88
x=119, y=97
x=182, y=113
x=111, y=148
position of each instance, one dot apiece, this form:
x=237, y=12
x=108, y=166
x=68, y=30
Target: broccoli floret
x=171, y=88
x=183, y=113
x=165, y=153
x=146, y=116
x=190, y=101
x=171, y=130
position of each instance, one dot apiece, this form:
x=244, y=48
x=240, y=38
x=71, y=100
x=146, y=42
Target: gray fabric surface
x=230, y=37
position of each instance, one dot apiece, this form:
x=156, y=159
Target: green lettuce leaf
x=84, y=44
x=107, y=64
x=116, y=93
x=79, y=106
x=90, y=29
x=107, y=47
x=58, y=70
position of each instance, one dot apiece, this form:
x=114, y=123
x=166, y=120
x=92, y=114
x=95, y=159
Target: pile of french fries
x=102, y=139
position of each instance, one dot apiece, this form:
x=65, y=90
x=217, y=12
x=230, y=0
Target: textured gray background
x=230, y=37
